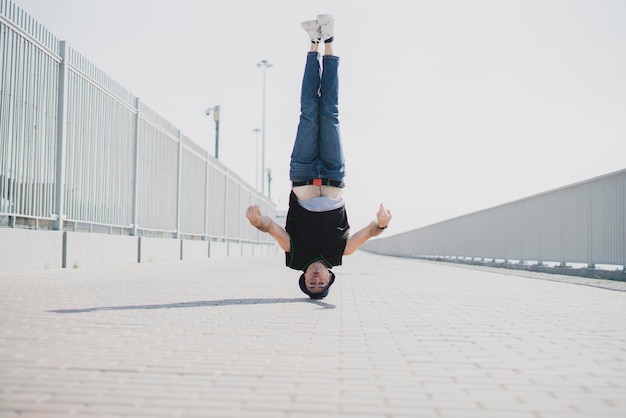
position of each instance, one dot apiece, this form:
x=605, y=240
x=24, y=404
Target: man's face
x=317, y=277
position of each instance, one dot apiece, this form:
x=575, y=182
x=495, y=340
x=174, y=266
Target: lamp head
x=216, y=112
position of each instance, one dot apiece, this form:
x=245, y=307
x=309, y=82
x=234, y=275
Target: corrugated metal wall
x=582, y=223
x=78, y=151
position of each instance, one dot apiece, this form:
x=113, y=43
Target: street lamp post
x=264, y=64
x=216, y=118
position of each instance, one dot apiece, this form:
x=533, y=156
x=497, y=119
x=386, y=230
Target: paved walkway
x=235, y=338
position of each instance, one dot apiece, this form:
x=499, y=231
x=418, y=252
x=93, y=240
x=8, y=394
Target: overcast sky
x=446, y=107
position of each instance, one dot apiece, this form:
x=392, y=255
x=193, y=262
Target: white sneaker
x=312, y=28
x=327, y=27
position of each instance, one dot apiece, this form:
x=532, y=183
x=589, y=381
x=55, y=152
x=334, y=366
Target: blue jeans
x=317, y=151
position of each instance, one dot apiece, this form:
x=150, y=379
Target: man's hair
x=316, y=295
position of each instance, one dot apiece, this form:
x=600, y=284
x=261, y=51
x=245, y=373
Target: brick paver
x=234, y=337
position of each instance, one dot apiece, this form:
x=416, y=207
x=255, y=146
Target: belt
x=319, y=182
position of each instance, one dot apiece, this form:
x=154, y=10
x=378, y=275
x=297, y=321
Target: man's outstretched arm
x=383, y=217
x=266, y=224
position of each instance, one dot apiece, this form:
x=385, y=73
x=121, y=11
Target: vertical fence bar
x=61, y=138
x=19, y=122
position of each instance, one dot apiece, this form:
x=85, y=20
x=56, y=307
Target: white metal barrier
x=79, y=152
x=581, y=223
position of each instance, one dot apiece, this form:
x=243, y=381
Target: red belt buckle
x=317, y=182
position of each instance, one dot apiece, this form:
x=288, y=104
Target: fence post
x=179, y=183
x=240, y=219
x=623, y=178
x=225, y=202
x=135, y=186
x=590, y=241
x=61, y=136
x=206, y=197
x=562, y=214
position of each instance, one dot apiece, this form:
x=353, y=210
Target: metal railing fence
x=78, y=151
x=581, y=223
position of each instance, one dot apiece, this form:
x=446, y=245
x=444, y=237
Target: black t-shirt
x=315, y=235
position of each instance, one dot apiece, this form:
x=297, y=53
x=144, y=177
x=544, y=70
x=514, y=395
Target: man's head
x=316, y=280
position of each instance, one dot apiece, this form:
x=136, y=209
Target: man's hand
x=373, y=229
x=383, y=216
x=265, y=224
x=254, y=216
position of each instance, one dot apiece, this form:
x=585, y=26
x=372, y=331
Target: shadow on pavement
x=198, y=304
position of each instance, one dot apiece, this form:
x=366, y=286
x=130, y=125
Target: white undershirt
x=319, y=198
